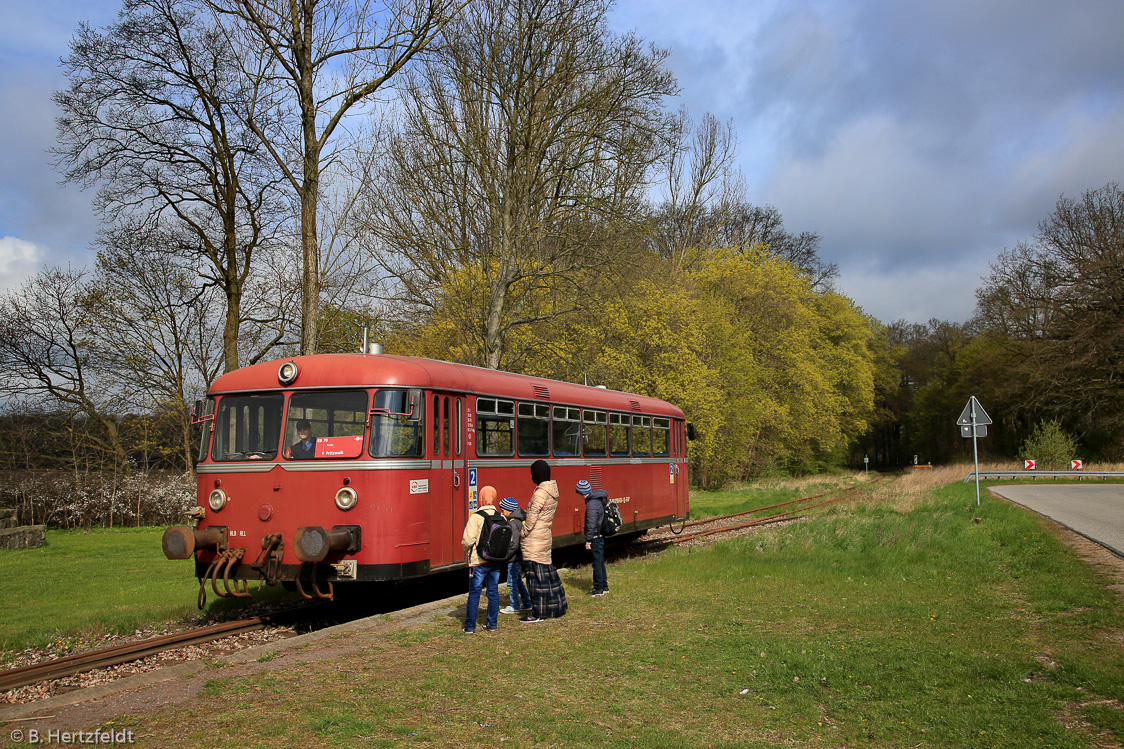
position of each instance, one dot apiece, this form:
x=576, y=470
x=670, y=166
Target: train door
x=448, y=498
x=680, y=452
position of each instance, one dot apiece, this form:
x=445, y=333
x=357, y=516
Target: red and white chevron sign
x=1076, y=465
x=1029, y=465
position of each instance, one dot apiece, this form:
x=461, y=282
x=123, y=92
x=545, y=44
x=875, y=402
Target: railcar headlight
x=287, y=373
x=217, y=499
x=346, y=498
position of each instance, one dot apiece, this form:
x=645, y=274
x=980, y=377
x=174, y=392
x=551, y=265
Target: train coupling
x=181, y=542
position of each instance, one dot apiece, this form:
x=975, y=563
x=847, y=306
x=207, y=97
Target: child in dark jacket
x=595, y=500
x=516, y=588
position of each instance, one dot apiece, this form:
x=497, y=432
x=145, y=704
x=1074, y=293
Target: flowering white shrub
x=75, y=500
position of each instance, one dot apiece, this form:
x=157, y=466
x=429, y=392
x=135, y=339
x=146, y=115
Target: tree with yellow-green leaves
x=770, y=372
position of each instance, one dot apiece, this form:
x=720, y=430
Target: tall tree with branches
x=525, y=149
x=325, y=59
x=155, y=114
x=47, y=352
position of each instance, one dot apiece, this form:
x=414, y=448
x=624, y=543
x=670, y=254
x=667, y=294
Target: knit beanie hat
x=509, y=504
x=540, y=471
x=584, y=488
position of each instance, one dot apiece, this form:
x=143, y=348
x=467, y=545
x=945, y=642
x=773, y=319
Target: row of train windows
x=251, y=426
x=504, y=428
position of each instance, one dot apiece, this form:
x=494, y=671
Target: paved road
x=1093, y=511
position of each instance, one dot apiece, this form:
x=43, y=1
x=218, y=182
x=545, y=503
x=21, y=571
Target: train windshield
x=325, y=425
x=397, y=425
x=248, y=427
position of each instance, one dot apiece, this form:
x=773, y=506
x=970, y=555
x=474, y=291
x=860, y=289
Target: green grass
x=707, y=504
x=84, y=584
x=941, y=626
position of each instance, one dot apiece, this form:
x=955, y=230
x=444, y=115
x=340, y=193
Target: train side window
x=447, y=427
x=566, y=431
x=533, y=429
x=495, y=427
x=393, y=434
x=207, y=427
x=642, y=435
x=336, y=422
x=247, y=427
x=593, y=433
x=460, y=425
x=436, y=426
x=661, y=437
x=618, y=434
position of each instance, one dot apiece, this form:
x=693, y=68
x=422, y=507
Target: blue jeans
x=488, y=573
x=600, y=579
x=516, y=588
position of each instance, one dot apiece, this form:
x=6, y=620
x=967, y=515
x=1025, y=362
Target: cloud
x=18, y=260
x=916, y=294
x=33, y=205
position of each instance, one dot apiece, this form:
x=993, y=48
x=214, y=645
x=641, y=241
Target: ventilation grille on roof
x=541, y=393
x=635, y=405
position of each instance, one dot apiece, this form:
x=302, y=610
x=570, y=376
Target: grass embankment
x=917, y=622
x=82, y=585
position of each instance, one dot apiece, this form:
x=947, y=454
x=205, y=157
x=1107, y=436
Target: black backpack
x=612, y=520
x=495, y=537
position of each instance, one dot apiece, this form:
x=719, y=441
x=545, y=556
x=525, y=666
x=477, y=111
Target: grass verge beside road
x=928, y=622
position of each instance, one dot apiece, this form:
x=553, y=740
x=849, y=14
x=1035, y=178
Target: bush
x=1050, y=445
x=77, y=500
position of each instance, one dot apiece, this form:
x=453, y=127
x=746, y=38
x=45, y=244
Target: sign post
x=974, y=417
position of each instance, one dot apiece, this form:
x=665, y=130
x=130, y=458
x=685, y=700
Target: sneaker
x=469, y=631
x=509, y=610
x=532, y=619
x=490, y=629
x=596, y=593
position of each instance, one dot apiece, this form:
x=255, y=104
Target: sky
x=918, y=139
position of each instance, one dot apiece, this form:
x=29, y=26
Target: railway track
x=120, y=654
x=729, y=523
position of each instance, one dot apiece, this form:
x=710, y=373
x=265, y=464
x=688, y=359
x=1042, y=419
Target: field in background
x=83, y=585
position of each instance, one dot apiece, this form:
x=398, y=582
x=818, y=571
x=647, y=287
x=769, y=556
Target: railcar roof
x=377, y=370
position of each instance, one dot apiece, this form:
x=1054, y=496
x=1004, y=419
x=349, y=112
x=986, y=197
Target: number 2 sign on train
x=335, y=468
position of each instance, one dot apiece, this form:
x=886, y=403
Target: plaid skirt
x=548, y=597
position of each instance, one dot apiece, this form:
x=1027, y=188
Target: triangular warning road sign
x=981, y=416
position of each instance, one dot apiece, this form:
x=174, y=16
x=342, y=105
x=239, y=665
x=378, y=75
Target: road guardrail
x=1079, y=475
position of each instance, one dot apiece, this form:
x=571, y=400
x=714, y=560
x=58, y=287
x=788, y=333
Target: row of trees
x=498, y=210
x=1045, y=346
x=525, y=200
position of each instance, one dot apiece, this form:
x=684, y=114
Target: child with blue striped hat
x=595, y=501
x=516, y=588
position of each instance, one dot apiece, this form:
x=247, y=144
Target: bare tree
x=703, y=188
x=1059, y=300
x=154, y=112
x=326, y=59
x=46, y=330
x=750, y=226
x=156, y=328
x=525, y=149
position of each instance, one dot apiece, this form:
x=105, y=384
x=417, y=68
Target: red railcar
x=396, y=449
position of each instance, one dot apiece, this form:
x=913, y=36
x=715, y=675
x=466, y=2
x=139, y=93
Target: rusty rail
x=646, y=544
x=113, y=656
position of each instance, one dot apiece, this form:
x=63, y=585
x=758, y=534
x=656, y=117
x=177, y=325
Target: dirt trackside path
x=92, y=708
